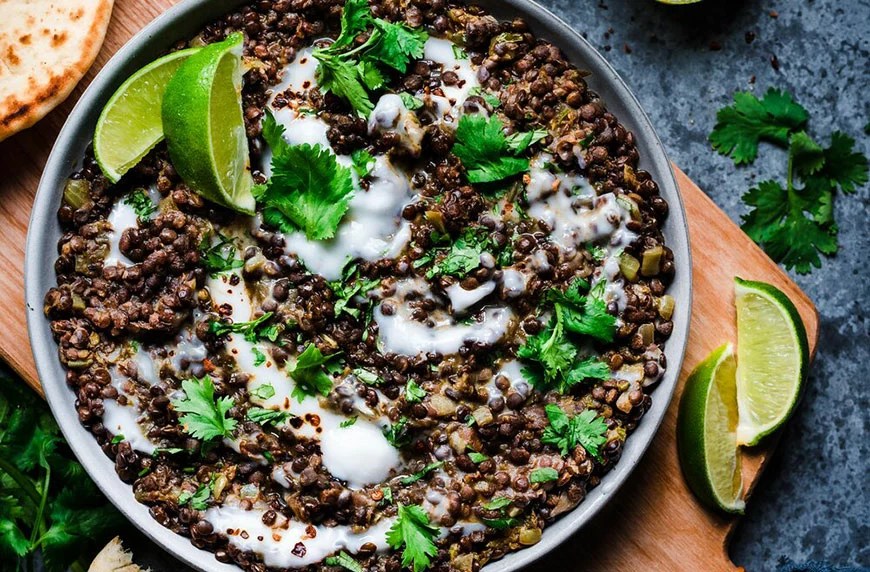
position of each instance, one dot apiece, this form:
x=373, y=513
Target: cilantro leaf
x=198, y=500
x=352, y=74
x=413, y=392
x=356, y=17
x=411, y=102
x=309, y=190
x=565, y=433
x=413, y=532
x=422, y=473
x=344, y=560
x=367, y=377
x=253, y=331
x=741, y=126
x=263, y=391
x=462, y=256
x=843, y=166
x=397, y=433
x=219, y=257
x=519, y=142
x=267, y=416
x=482, y=147
x=141, y=204
x=476, y=457
x=204, y=417
x=396, y=44
x=587, y=368
x=543, y=475
x=309, y=375
x=348, y=422
x=363, y=163
x=259, y=356
x=550, y=350
x=498, y=503
x=344, y=80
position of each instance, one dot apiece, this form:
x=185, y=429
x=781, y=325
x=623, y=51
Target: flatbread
x=113, y=558
x=46, y=46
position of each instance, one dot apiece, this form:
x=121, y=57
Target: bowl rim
x=189, y=16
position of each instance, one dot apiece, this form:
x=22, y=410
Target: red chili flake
x=299, y=550
x=276, y=537
x=207, y=365
x=773, y=14
x=311, y=531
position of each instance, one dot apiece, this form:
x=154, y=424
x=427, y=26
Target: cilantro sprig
x=253, y=331
x=354, y=74
x=219, y=257
x=141, y=204
x=565, y=433
x=793, y=222
x=309, y=374
x=349, y=287
x=487, y=154
x=413, y=532
x=553, y=354
x=47, y=501
x=204, y=416
x=741, y=126
x=309, y=190
x=344, y=560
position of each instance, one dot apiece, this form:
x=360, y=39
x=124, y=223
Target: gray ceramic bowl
x=184, y=21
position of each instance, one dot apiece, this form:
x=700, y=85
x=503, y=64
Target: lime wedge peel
x=706, y=425
x=130, y=124
x=205, y=130
x=772, y=359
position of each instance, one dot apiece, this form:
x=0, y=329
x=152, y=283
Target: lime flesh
x=205, y=130
x=772, y=359
x=706, y=427
x=130, y=124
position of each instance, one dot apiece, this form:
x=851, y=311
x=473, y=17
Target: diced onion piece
x=651, y=261
x=629, y=266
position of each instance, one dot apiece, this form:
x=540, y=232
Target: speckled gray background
x=684, y=62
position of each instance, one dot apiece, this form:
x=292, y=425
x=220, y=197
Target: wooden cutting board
x=654, y=523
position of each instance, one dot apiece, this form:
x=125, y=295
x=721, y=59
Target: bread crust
x=46, y=46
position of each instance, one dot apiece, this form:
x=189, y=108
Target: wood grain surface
x=654, y=523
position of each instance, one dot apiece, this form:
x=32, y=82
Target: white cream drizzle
x=401, y=334
x=279, y=544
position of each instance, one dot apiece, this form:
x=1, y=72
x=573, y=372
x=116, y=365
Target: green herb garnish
x=422, y=473
x=253, y=331
x=565, y=433
x=267, y=416
x=482, y=147
x=413, y=392
x=793, y=224
x=353, y=74
x=348, y=422
x=413, y=532
x=141, y=204
x=344, y=560
x=309, y=190
x=309, y=375
x=219, y=257
x=543, y=475
x=397, y=433
x=204, y=416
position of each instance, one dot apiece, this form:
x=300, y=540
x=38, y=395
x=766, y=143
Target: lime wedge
x=130, y=124
x=706, y=432
x=772, y=359
x=677, y=2
x=205, y=131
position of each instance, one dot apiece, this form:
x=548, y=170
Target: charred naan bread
x=46, y=46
